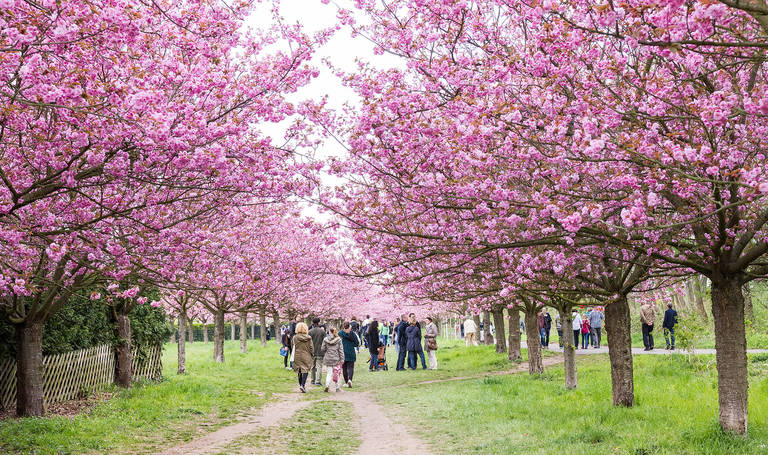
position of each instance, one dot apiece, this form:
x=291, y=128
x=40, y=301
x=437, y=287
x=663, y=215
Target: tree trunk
x=535, y=364
x=243, y=332
x=487, y=328
x=232, y=328
x=172, y=338
x=569, y=350
x=498, y=323
x=699, y=295
x=182, y=369
x=749, y=311
x=618, y=327
x=476, y=318
x=218, y=336
x=731, y=354
x=276, y=319
x=205, y=332
x=124, y=373
x=515, y=352
x=253, y=330
x=263, y=326
x=29, y=369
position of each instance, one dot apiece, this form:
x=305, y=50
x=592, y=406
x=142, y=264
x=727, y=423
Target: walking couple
x=316, y=348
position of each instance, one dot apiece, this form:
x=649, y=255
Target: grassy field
x=676, y=411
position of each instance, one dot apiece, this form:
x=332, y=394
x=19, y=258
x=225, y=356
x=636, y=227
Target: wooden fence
x=74, y=374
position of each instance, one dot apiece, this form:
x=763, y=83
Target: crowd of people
x=308, y=351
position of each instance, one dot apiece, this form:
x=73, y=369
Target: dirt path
x=380, y=434
x=271, y=415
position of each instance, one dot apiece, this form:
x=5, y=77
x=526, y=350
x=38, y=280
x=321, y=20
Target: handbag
x=336, y=371
x=283, y=351
x=431, y=344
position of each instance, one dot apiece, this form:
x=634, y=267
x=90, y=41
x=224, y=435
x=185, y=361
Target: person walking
x=384, y=334
x=470, y=329
x=596, y=318
x=547, y=327
x=286, y=341
x=364, y=329
x=559, y=327
x=585, y=329
x=350, y=343
x=430, y=343
x=647, y=318
x=540, y=320
x=372, y=339
x=317, y=332
x=401, y=343
x=333, y=357
x=303, y=351
x=413, y=342
x=669, y=323
x=576, y=326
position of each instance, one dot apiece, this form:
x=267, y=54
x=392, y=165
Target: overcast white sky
x=342, y=50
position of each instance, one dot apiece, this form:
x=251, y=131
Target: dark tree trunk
x=263, y=326
x=617, y=325
x=205, y=332
x=29, y=369
x=124, y=373
x=569, y=350
x=731, y=354
x=749, y=311
x=515, y=352
x=182, y=369
x=487, y=337
x=243, y=332
x=535, y=363
x=476, y=318
x=501, y=338
x=218, y=336
x=190, y=331
x=276, y=319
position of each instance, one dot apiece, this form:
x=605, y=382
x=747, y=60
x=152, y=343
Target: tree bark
x=749, y=311
x=205, y=332
x=232, y=328
x=218, y=336
x=476, y=318
x=731, y=353
x=29, y=369
x=276, y=319
x=501, y=338
x=569, y=350
x=182, y=352
x=535, y=363
x=618, y=328
x=263, y=326
x=243, y=332
x=190, y=331
x=514, y=349
x=488, y=338
x=124, y=372
x=253, y=330
x=172, y=338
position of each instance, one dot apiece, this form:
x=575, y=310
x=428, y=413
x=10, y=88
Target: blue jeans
x=401, y=357
x=543, y=334
x=670, y=333
x=384, y=339
x=374, y=361
x=423, y=363
x=412, y=359
x=584, y=340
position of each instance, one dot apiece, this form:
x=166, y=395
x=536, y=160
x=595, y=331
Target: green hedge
x=83, y=323
x=197, y=330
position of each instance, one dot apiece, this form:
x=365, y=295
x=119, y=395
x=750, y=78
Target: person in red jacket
x=585, y=329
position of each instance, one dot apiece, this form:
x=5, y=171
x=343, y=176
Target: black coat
x=670, y=319
x=373, y=340
x=400, y=329
x=413, y=335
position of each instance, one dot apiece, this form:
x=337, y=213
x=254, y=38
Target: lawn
x=676, y=412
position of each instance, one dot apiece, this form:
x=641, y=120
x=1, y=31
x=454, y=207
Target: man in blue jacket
x=670, y=320
x=401, y=339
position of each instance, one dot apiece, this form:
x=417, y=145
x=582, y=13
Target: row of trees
x=562, y=152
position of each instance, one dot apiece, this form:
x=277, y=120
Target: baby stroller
x=382, y=359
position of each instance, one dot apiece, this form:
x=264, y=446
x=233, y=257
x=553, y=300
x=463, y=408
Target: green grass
x=676, y=412
x=157, y=415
